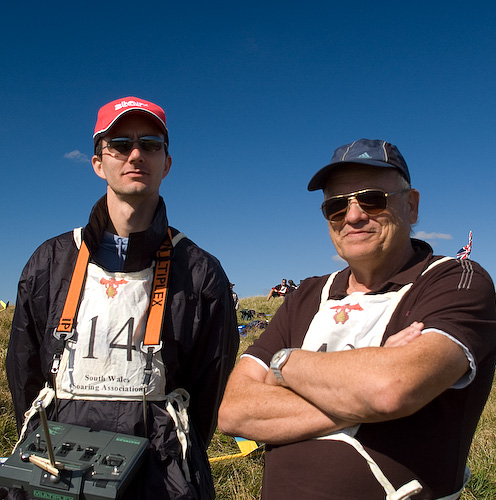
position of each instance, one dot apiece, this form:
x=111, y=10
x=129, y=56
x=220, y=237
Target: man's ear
x=413, y=203
x=96, y=161
x=167, y=166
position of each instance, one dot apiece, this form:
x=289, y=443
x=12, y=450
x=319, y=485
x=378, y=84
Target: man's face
x=372, y=239
x=139, y=173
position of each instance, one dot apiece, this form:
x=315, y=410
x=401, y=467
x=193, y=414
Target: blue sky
x=257, y=97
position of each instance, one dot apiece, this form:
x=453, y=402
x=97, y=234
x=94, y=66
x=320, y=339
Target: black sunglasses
x=371, y=201
x=124, y=145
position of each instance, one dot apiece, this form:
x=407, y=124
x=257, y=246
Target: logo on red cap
x=133, y=104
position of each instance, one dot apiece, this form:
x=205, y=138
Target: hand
x=406, y=335
x=270, y=378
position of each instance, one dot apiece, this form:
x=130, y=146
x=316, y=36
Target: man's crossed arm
x=327, y=392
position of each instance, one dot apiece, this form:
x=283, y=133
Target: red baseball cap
x=111, y=112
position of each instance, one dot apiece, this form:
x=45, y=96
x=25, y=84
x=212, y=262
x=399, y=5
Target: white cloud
x=76, y=155
x=337, y=258
x=422, y=235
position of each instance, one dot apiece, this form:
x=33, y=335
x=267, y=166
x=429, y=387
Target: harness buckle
x=149, y=350
x=154, y=348
x=64, y=335
x=55, y=363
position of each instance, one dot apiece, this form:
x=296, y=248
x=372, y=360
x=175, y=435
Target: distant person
x=291, y=286
x=234, y=296
x=373, y=378
x=279, y=290
x=127, y=241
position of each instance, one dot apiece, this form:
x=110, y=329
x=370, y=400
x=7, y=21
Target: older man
x=143, y=340
x=369, y=383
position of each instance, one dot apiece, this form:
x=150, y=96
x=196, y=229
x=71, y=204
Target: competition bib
x=103, y=359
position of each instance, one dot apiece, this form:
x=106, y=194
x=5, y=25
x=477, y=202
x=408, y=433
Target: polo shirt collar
x=422, y=254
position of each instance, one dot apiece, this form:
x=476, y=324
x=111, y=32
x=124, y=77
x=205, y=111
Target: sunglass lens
x=372, y=202
x=120, y=145
x=335, y=209
x=150, y=144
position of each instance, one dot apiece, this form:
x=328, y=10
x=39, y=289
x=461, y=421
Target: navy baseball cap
x=372, y=152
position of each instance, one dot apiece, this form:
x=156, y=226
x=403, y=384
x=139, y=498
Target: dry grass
x=8, y=435
x=482, y=458
x=237, y=478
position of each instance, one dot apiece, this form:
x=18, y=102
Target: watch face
x=278, y=356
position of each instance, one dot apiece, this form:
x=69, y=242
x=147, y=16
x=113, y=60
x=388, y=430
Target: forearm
x=376, y=384
x=272, y=414
x=338, y=383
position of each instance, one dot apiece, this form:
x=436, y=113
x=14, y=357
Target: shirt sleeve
x=470, y=375
x=455, y=298
x=290, y=323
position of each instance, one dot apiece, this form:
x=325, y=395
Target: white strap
x=176, y=239
x=46, y=396
x=77, y=234
x=436, y=263
x=403, y=493
x=180, y=399
x=324, y=296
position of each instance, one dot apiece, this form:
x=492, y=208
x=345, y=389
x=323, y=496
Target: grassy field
x=240, y=478
x=7, y=421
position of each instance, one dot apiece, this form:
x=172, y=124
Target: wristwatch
x=279, y=359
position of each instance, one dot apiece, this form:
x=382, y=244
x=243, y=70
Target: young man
x=106, y=374
x=369, y=383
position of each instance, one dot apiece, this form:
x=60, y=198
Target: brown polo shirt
x=454, y=297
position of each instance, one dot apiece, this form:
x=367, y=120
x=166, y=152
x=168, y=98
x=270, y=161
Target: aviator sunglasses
x=124, y=145
x=371, y=201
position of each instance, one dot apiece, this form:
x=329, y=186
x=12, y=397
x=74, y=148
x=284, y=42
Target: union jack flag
x=464, y=252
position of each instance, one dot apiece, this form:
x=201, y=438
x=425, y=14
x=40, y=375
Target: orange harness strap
x=158, y=299
x=68, y=318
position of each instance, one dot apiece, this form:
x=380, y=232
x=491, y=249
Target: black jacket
x=200, y=344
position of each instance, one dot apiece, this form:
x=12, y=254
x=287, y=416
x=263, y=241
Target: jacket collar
x=142, y=246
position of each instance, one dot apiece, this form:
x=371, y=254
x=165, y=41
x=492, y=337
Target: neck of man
x=130, y=214
x=367, y=276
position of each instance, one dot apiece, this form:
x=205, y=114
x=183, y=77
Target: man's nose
x=136, y=152
x=355, y=212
